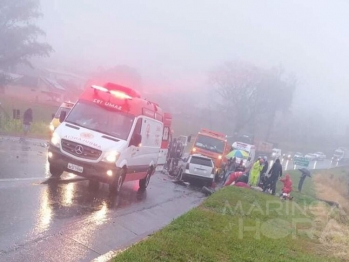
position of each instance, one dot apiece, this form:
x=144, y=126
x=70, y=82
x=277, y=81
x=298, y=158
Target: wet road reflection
x=100, y=216
x=45, y=213
x=66, y=218
x=68, y=194
x=71, y=196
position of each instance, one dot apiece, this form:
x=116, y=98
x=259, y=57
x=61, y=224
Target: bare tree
x=19, y=34
x=236, y=84
x=249, y=94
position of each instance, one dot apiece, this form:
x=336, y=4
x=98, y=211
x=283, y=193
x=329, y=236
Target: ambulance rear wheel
x=143, y=183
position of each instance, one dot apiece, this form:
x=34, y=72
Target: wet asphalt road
x=65, y=221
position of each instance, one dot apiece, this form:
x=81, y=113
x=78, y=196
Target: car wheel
x=55, y=171
x=116, y=185
x=143, y=183
x=209, y=183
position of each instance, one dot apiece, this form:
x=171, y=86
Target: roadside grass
x=41, y=112
x=42, y=115
x=14, y=127
x=237, y=224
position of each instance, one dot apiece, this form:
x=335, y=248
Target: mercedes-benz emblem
x=79, y=149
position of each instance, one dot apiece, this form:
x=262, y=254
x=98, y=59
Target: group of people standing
x=257, y=175
x=175, y=152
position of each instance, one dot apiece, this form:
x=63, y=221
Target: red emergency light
x=115, y=93
x=118, y=91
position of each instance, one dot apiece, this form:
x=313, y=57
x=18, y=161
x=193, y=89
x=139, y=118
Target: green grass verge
x=236, y=224
x=42, y=115
x=15, y=128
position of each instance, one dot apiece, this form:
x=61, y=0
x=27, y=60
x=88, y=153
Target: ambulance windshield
x=101, y=119
x=60, y=110
x=210, y=143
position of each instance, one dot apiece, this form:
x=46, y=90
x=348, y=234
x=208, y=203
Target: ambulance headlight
x=111, y=156
x=55, y=140
x=219, y=157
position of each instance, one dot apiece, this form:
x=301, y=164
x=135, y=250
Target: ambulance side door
x=135, y=152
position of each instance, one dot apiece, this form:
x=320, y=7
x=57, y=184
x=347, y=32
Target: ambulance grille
x=80, y=150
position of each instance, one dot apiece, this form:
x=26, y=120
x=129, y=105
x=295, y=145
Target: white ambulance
x=111, y=135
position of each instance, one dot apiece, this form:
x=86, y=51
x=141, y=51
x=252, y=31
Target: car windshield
x=101, y=119
x=210, y=144
x=60, y=110
x=201, y=161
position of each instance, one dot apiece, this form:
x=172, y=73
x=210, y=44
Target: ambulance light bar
x=115, y=93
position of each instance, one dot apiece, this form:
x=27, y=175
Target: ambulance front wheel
x=116, y=185
x=55, y=171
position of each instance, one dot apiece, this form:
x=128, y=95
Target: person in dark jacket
x=27, y=120
x=240, y=167
x=243, y=178
x=266, y=166
x=263, y=177
x=275, y=172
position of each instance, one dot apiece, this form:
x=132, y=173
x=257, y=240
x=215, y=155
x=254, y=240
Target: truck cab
x=111, y=135
x=212, y=144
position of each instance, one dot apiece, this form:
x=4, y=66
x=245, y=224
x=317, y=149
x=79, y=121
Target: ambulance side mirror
x=136, y=140
x=62, y=116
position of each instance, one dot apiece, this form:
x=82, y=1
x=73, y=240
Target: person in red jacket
x=232, y=178
x=287, y=188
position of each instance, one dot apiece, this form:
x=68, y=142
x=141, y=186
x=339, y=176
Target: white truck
x=250, y=149
x=341, y=155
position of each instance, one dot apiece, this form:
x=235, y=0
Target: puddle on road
x=70, y=197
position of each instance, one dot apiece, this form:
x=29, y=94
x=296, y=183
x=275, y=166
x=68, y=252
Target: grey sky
x=175, y=42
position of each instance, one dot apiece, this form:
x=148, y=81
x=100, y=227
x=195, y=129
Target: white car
x=276, y=153
x=287, y=156
x=320, y=156
x=311, y=157
x=298, y=154
x=197, y=167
